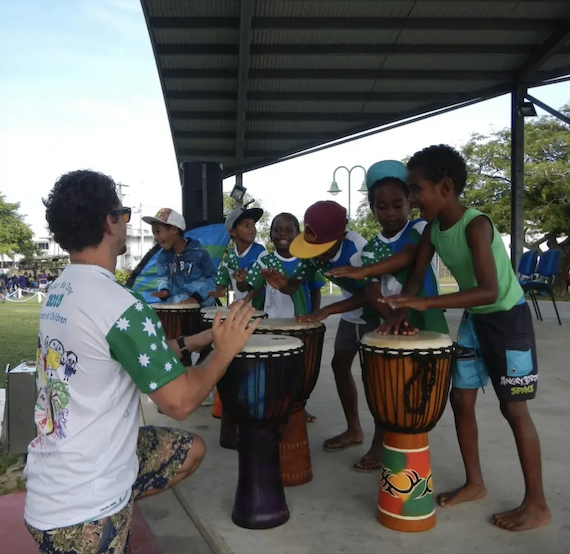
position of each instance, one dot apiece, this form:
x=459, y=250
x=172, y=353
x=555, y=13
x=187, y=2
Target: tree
x=263, y=225
x=15, y=234
x=365, y=222
x=546, y=184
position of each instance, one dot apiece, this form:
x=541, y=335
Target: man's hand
x=319, y=315
x=397, y=324
x=231, y=335
x=240, y=275
x=197, y=343
x=274, y=278
x=348, y=271
x=406, y=301
x=162, y=294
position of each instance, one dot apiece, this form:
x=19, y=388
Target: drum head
x=288, y=324
x=263, y=344
x=424, y=340
x=176, y=307
x=208, y=314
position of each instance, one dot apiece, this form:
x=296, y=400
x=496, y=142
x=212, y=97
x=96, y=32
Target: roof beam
x=340, y=74
x=281, y=136
x=356, y=23
x=548, y=109
x=279, y=116
x=347, y=49
x=308, y=96
x=553, y=45
x=245, y=34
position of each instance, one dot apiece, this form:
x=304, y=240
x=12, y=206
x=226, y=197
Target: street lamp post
x=334, y=190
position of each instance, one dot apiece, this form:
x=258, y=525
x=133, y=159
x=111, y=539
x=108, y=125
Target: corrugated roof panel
x=304, y=106
x=332, y=8
x=222, y=125
x=430, y=86
x=323, y=36
x=472, y=37
x=557, y=62
x=390, y=107
x=317, y=62
x=294, y=126
x=506, y=10
x=310, y=85
x=205, y=143
x=202, y=105
x=197, y=36
x=455, y=62
x=200, y=84
x=193, y=8
x=198, y=62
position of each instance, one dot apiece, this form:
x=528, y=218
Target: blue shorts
x=500, y=347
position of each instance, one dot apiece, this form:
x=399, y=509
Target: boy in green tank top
x=496, y=336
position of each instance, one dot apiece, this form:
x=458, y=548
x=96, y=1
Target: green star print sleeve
x=137, y=341
x=375, y=251
x=254, y=278
x=223, y=276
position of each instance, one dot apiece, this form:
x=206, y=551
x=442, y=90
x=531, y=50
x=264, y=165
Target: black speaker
x=202, y=199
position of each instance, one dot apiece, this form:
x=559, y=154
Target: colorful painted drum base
x=296, y=466
x=405, y=496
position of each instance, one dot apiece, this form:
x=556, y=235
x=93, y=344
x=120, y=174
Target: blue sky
x=79, y=88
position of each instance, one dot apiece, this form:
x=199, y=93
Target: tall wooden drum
x=406, y=380
x=296, y=466
x=258, y=391
x=179, y=319
x=228, y=429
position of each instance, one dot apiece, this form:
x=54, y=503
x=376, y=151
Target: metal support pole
x=517, y=175
x=239, y=183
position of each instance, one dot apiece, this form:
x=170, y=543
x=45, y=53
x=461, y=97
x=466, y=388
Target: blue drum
x=258, y=391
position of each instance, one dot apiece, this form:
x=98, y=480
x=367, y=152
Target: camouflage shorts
x=161, y=452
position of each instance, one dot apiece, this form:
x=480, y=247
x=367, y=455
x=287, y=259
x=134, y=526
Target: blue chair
x=543, y=279
x=525, y=271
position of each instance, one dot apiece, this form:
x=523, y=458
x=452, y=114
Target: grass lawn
x=18, y=334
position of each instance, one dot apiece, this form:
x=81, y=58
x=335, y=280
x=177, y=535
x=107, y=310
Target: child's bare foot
x=525, y=517
x=466, y=493
x=309, y=418
x=342, y=441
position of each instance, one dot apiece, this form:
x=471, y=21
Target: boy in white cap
x=186, y=273
x=240, y=224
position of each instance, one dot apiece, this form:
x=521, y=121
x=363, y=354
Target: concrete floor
x=335, y=513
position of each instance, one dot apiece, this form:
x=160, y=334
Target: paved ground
x=335, y=513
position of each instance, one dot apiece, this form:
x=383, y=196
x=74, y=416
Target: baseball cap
x=167, y=216
x=385, y=169
x=325, y=224
x=235, y=216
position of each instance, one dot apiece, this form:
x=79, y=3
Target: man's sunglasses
x=125, y=212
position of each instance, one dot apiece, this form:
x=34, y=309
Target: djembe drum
x=258, y=391
x=228, y=429
x=179, y=319
x=295, y=454
x=406, y=380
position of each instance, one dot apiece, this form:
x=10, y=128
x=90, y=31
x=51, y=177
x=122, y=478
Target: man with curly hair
x=99, y=346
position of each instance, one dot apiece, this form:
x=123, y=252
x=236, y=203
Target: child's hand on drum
x=397, y=324
x=231, y=335
x=162, y=294
x=319, y=315
x=217, y=293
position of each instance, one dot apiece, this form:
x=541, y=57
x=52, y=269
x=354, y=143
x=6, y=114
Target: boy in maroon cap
x=324, y=245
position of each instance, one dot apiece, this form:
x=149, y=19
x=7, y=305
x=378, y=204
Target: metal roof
x=249, y=82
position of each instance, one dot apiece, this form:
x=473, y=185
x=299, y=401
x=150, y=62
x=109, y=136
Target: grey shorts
x=349, y=334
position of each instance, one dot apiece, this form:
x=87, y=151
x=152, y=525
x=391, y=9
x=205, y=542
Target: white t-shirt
x=98, y=344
